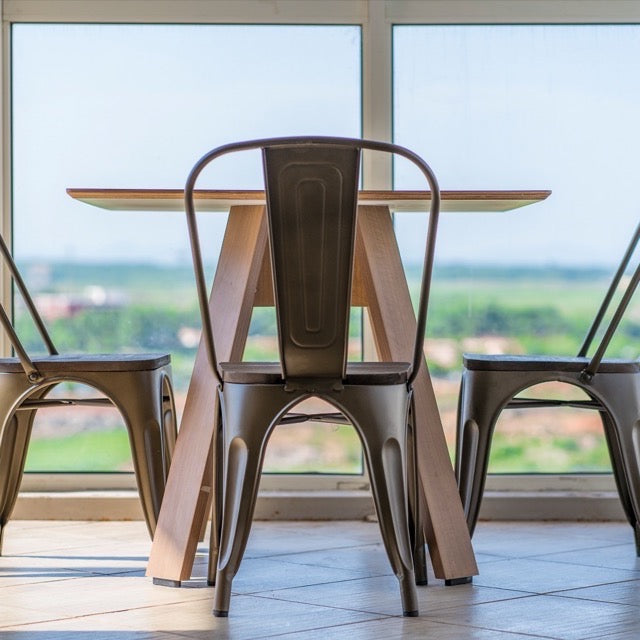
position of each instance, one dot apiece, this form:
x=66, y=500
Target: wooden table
x=242, y=281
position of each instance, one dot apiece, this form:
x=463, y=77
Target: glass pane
x=523, y=107
x=135, y=106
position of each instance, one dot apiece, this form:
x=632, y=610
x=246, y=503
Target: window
x=435, y=76
x=524, y=107
x=135, y=106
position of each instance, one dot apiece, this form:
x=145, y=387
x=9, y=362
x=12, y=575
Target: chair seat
x=90, y=362
x=477, y=362
x=374, y=373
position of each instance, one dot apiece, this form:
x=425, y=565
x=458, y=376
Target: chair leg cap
x=454, y=582
x=410, y=614
x=220, y=614
x=163, y=582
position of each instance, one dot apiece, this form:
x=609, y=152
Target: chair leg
x=386, y=469
x=626, y=471
x=242, y=475
x=139, y=397
x=15, y=434
x=478, y=410
x=474, y=432
x=214, y=550
x=216, y=502
x=380, y=415
x=416, y=526
x=622, y=430
x=249, y=414
x=169, y=423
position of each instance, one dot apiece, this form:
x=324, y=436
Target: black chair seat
x=477, y=362
x=89, y=362
x=374, y=373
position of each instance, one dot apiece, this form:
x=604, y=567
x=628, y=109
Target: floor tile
x=381, y=595
x=627, y=592
x=517, y=540
x=60, y=565
x=250, y=618
x=621, y=556
x=405, y=629
x=91, y=595
x=550, y=617
x=261, y=574
x=369, y=559
x=284, y=538
x=543, y=576
x=306, y=580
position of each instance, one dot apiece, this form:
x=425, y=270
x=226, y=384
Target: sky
x=508, y=107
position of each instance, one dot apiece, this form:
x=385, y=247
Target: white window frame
x=376, y=19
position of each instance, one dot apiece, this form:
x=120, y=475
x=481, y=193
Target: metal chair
x=312, y=188
x=138, y=385
x=491, y=382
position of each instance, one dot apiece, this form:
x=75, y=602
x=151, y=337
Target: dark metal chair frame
x=491, y=382
x=312, y=187
x=138, y=385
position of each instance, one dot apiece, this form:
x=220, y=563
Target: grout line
x=318, y=550
x=560, y=593
x=380, y=615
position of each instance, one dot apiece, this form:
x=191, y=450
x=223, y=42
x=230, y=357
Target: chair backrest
x=591, y=369
x=311, y=204
x=311, y=186
x=27, y=364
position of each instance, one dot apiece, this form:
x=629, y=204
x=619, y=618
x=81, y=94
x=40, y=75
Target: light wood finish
x=394, y=326
x=187, y=493
x=223, y=200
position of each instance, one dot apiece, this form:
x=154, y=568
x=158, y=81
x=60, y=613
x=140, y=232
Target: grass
x=96, y=450
x=520, y=453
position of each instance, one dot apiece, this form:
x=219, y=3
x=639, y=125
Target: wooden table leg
x=184, y=506
x=393, y=322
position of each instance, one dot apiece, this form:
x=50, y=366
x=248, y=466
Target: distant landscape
x=140, y=307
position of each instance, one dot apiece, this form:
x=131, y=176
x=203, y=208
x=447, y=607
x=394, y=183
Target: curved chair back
x=591, y=369
x=311, y=187
x=27, y=364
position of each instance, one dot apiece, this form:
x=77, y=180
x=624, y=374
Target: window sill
x=551, y=505
x=325, y=505
x=124, y=505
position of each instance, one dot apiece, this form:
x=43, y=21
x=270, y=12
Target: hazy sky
x=513, y=107
x=136, y=106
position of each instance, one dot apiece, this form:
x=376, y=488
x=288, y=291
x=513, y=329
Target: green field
x=529, y=310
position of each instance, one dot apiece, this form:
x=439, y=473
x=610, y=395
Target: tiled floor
x=72, y=580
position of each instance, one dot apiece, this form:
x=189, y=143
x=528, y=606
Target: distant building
x=53, y=306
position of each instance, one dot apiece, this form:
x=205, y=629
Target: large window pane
x=523, y=107
x=135, y=106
